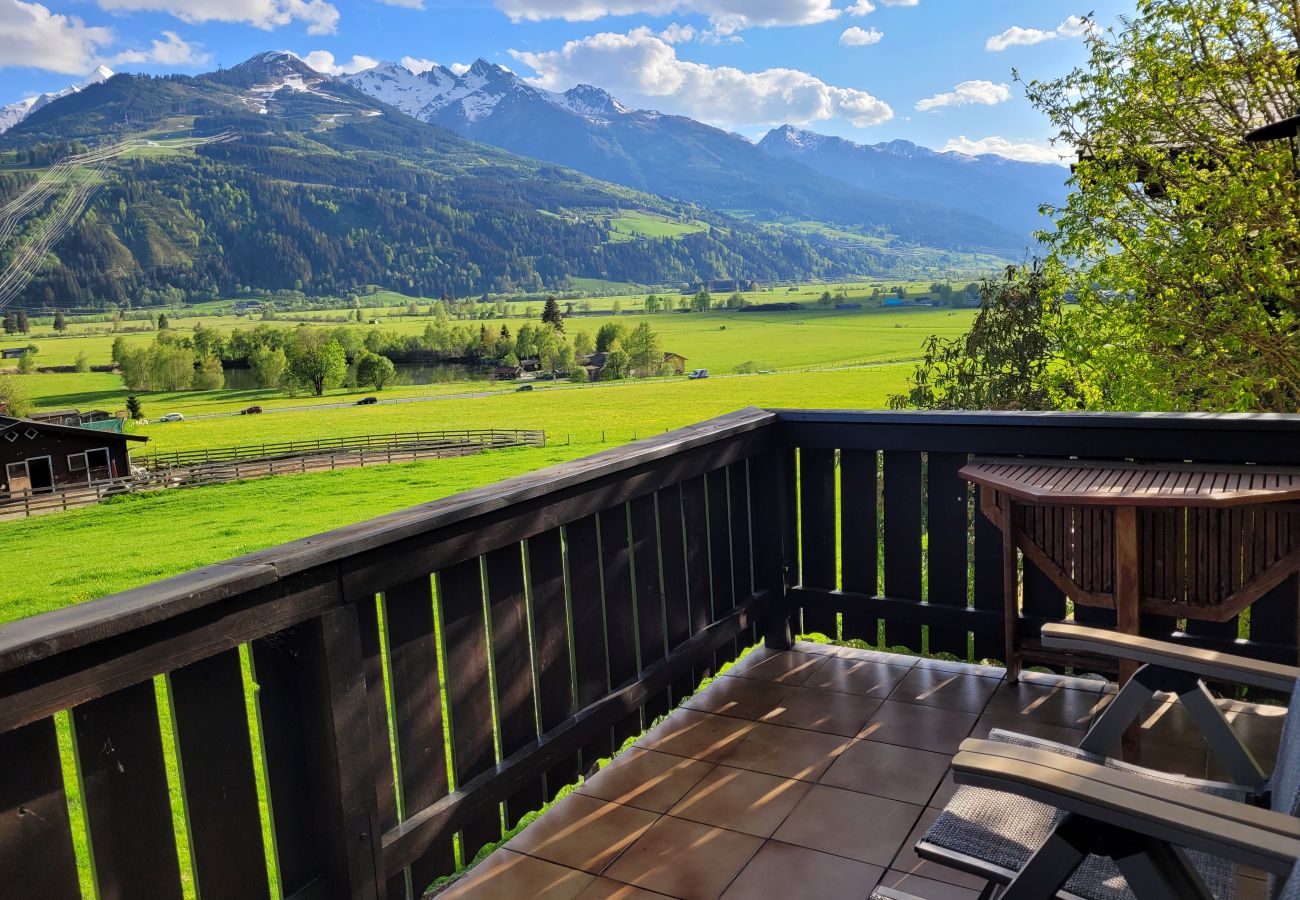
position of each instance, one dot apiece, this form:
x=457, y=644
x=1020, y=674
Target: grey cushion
x=1003, y=830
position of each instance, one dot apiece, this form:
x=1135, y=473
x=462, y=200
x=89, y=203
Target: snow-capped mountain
x=15, y=112
x=587, y=129
x=1005, y=190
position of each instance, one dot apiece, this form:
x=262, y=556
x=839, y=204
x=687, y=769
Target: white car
x=699, y=373
x=171, y=417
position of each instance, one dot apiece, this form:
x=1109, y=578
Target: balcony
x=351, y=714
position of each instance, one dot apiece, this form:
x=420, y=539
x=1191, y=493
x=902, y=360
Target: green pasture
x=136, y=540
x=632, y=224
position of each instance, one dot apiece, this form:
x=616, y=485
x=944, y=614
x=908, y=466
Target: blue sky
x=856, y=68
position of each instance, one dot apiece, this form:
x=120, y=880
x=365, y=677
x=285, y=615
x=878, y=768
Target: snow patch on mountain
x=16, y=112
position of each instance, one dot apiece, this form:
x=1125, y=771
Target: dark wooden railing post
x=771, y=507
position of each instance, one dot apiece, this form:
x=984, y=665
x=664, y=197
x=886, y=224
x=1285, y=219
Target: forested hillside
x=327, y=190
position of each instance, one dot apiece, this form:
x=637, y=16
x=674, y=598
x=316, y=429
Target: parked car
x=367, y=401
x=171, y=417
x=523, y=387
x=251, y=411
x=699, y=373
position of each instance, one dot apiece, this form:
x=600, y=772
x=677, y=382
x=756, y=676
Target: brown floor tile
x=744, y=698
x=909, y=863
x=810, y=647
x=685, y=859
x=828, y=711
x=509, y=876
x=887, y=770
x=696, y=734
x=786, y=872
x=864, y=827
x=945, y=689
x=605, y=889
x=1168, y=722
x=880, y=656
x=1070, y=737
x=741, y=800
x=780, y=666
x=926, y=889
x=922, y=727
x=1049, y=705
x=583, y=833
x=965, y=668
x=1259, y=727
x=944, y=792
x=1169, y=758
x=787, y=752
x=646, y=779
x=856, y=676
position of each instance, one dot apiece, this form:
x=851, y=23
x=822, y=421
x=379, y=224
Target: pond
x=407, y=375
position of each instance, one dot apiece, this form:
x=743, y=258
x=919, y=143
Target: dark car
x=367, y=401
x=523, y=387
x=251, y=411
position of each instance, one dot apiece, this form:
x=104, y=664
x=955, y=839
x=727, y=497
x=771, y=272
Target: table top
x=1078, y=482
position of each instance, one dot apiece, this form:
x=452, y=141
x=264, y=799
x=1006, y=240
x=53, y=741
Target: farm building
x=71, y=417
x=12, y=352
x=677, y=361
x=508, y=373
x=43, y=455
x=595, y=363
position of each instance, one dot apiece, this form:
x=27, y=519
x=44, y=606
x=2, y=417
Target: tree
x=609, y=334
x=1008, y=361
x=551, y=314
x=618, y=307
x=316, y=361
x=826, y=301
x=24, y=325
x=162, y=321
x=616, y=365
x=9, y=323
x=268, y=365
x=14, y=396
x=652, y=304
x=736, y=301
x=376, y=370
x=60, y=324
x=83, y=362
x=133, y=408
x=27, y=362
x=582, y=344
x=1183, y=262
x=645, y=356
x=169, y=366
x=209, y=376
x=701, y=301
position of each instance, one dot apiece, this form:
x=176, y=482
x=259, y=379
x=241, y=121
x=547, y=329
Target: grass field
x=139, y=539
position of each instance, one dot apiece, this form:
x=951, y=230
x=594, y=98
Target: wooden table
x=1184, y=540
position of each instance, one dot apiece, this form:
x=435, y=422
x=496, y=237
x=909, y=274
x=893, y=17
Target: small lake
x=407, y=375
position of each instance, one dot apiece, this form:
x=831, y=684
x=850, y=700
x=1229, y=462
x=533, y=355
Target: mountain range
x=456, y=184
x=936, y=199
x=15, y=112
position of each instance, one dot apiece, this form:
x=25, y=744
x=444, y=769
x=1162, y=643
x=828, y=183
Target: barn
x=44, y=455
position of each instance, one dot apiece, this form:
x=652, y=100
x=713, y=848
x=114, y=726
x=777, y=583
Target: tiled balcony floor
x=809, y=774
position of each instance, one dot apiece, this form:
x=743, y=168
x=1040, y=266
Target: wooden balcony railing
x=341, y=712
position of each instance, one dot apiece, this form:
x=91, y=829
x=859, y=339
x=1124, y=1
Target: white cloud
x=408, y=4
x=320, y=16
x=968, y=93
x=417, y=65
x=643, y=69
x=901, y=2
x=460, y=68
x=678, y=34
x=861, y=8
x=1015, y=36
x=171, y=51
x=726, y=16
x=323, y=61
x=31, y=35
x=861, y=37
x=1025, y=151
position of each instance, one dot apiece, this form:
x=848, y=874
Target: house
x=12, y=352
x=530, y=365
x=71, y=417
x=676, y=361
x=42, y=455
x=508, y=373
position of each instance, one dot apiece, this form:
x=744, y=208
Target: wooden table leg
x=1010, y=591
x=1128, y=606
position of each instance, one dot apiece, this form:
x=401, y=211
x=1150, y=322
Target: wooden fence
x=420, y=681
x=236, y=463
x=395, y=441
